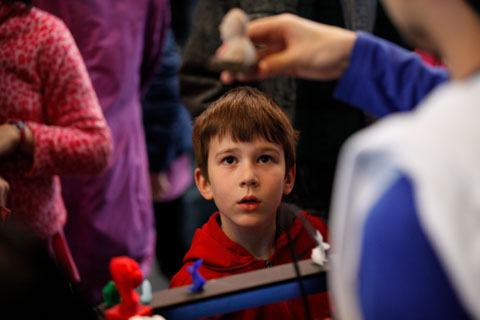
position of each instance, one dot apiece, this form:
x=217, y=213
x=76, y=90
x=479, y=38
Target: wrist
x=23, y=140
x=346, y=47
x=20, y=128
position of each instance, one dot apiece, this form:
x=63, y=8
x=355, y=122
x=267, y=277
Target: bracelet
x=21, y=128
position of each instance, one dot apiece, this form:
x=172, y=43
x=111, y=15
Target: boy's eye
x=265, y=159
x=229, y=160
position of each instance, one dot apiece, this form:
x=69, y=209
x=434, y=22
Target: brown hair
x=244, y=113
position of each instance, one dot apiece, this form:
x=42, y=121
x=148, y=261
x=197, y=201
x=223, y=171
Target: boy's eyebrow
x=270, y=149
x=223, y=151
x=262, y=149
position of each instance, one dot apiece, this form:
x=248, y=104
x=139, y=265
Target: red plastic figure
x=127, y=275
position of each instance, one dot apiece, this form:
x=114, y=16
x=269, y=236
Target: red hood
x=221, y=254
x=223, y=257
x=216, y=249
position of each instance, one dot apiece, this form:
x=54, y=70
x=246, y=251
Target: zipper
x=268, y=263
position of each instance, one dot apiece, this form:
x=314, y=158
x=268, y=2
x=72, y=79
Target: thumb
x=283, y=62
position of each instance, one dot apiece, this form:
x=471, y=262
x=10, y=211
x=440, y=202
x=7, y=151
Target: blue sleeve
x=167, y=124
x=383, y=78
x=400, y=276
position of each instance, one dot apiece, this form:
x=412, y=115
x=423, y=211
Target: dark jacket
x=168, y=127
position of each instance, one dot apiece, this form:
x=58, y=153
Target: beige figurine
x=238, y=51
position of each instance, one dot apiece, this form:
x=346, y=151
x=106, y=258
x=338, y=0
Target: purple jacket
x=111, y=214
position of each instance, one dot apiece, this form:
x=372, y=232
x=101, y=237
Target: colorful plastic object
x=126, y=275
x=146, y=296
x=197, y=280
x=110, y=294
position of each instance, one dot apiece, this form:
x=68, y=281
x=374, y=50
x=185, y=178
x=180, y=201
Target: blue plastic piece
x=197, y=280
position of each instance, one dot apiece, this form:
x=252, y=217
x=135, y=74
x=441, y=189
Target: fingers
x=221, y=49
x=270, y=65
x=229, y=77
x=276, y=64
x=4, y=190
x=268, y=29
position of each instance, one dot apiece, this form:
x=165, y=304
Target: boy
x=245, y=152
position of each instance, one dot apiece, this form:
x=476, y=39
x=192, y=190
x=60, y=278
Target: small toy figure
x=146, y=296
x=319, y=255
x=238, y=52
x=197, y=279
x=127, y=275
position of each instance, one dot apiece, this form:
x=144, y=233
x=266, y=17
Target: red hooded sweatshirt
x=222, y=257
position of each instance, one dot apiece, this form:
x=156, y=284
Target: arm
x=167, y=124
x=158, y=20
x=74, y=138
x=302, y=48
x=382, y=78
x=167, y=133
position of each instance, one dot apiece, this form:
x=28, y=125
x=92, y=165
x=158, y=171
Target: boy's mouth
x=249, y=199
x=249, y=203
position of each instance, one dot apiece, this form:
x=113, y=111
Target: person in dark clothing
x=168, y=132
x=322, y=130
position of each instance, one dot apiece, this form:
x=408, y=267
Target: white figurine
x=238, y=47
x=146, y=296
x=319, y=255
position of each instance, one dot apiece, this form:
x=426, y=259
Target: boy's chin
x=252, y=219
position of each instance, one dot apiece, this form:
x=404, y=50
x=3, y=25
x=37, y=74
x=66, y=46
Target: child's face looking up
x=246, y=180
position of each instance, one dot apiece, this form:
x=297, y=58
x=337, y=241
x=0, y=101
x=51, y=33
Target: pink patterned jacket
x=44, y=82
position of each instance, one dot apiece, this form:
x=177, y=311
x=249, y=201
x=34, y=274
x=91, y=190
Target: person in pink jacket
x=51, y=123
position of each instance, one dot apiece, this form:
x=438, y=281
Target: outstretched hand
x=290, y=45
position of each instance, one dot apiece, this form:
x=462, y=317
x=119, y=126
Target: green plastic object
x=110, y=294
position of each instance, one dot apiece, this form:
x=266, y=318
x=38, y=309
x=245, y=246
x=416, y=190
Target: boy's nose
x=249, y=178
x=252, y=182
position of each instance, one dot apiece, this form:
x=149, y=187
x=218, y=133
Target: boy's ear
x=290, y=179
x=203, y=185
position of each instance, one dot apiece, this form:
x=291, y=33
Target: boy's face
x=246, y=180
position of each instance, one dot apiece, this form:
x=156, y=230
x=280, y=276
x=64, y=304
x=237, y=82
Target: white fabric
x=438, y=147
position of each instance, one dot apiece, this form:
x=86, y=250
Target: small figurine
x=319, y=255
x=146, y=296
x=197, y=280
x=127, y=275
x=238, y=52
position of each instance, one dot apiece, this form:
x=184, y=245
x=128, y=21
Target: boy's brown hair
x=244, y=113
